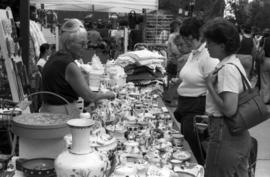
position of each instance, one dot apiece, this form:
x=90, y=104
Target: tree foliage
x=259, y=14
x=239, y=10
x=254, y=14
x=206, y=8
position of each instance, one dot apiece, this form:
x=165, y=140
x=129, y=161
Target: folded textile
x=143, y=57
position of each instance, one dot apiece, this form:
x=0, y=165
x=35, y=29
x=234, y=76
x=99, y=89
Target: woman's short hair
x=191, y=27
x=224, y=32
x=71, y=30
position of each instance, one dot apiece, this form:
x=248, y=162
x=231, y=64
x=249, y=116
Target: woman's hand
x=211, y=79
x=110, y=95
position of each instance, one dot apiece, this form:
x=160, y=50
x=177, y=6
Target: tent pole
x=24, y=31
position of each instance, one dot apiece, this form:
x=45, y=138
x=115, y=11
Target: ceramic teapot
x=81, y=160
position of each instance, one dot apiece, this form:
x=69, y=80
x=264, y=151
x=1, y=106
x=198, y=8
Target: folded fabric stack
x=143, y=65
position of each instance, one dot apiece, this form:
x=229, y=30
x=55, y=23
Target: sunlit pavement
x=262, y=134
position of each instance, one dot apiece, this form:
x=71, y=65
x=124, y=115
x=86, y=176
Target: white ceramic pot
x=81, y=160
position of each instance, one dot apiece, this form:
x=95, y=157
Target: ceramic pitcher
x=81, y=160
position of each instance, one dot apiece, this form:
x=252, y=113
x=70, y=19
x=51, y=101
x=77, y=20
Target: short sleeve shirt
x=197, y=67
x=229, y=80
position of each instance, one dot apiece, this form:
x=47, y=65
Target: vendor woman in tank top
x=63, y=77
x=192, y=90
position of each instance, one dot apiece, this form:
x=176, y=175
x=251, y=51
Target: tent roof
x=124, y=6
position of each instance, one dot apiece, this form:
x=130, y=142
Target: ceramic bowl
x=39, y=167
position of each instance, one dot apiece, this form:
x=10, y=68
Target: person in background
x=247, y=45
x=94, y=37
x=264, y=68
x=173, y=52
x=45, y=52
x=135, y=36
x=227, y=154
x=163, y=36
x=192, y=89
x=257, y=36
x=63, y=77
x=170, y=95
x=117, y=40
x=103, y=30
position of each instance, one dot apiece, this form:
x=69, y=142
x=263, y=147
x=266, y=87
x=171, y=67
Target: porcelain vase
x=80, y=160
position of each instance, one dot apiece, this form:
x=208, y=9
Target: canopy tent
x=121, y=6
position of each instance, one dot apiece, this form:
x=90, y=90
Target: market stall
x=134, y=134
x=131, y=135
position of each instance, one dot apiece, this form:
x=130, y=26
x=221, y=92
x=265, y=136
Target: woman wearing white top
x=227, y=154
x=192, y=90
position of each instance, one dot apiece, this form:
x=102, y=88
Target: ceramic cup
x=177, y=139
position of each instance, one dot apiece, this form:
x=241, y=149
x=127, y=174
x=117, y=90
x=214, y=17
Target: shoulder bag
x=251, y=109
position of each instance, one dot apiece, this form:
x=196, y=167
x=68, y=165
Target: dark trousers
x=187, y=108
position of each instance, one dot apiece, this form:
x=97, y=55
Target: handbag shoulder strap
x=245, y=82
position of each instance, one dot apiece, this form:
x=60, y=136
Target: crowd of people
x=104, y=40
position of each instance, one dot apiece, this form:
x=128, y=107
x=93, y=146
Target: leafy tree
x=241, y=15
x=206, y=8
x=259, y=14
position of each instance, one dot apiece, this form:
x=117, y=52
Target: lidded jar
x=81, y=160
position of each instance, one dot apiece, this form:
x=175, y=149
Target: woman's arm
x=227, y=102
x=75, y=78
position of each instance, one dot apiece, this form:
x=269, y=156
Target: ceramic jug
x=80, y=160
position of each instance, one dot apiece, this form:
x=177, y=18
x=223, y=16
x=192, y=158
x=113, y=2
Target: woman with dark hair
x=192, y=90
x=45, y=52
x=227, y=154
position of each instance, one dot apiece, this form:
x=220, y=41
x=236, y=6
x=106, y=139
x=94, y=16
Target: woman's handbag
x=251, y=109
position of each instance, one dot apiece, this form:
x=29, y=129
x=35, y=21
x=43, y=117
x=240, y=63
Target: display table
x=156, y=118
x=177, y=126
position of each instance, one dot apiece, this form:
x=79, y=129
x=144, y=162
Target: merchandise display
x=133, y=132
x=130, y=93
x=130, y=135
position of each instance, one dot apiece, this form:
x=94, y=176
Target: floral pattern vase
x=80, y=160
